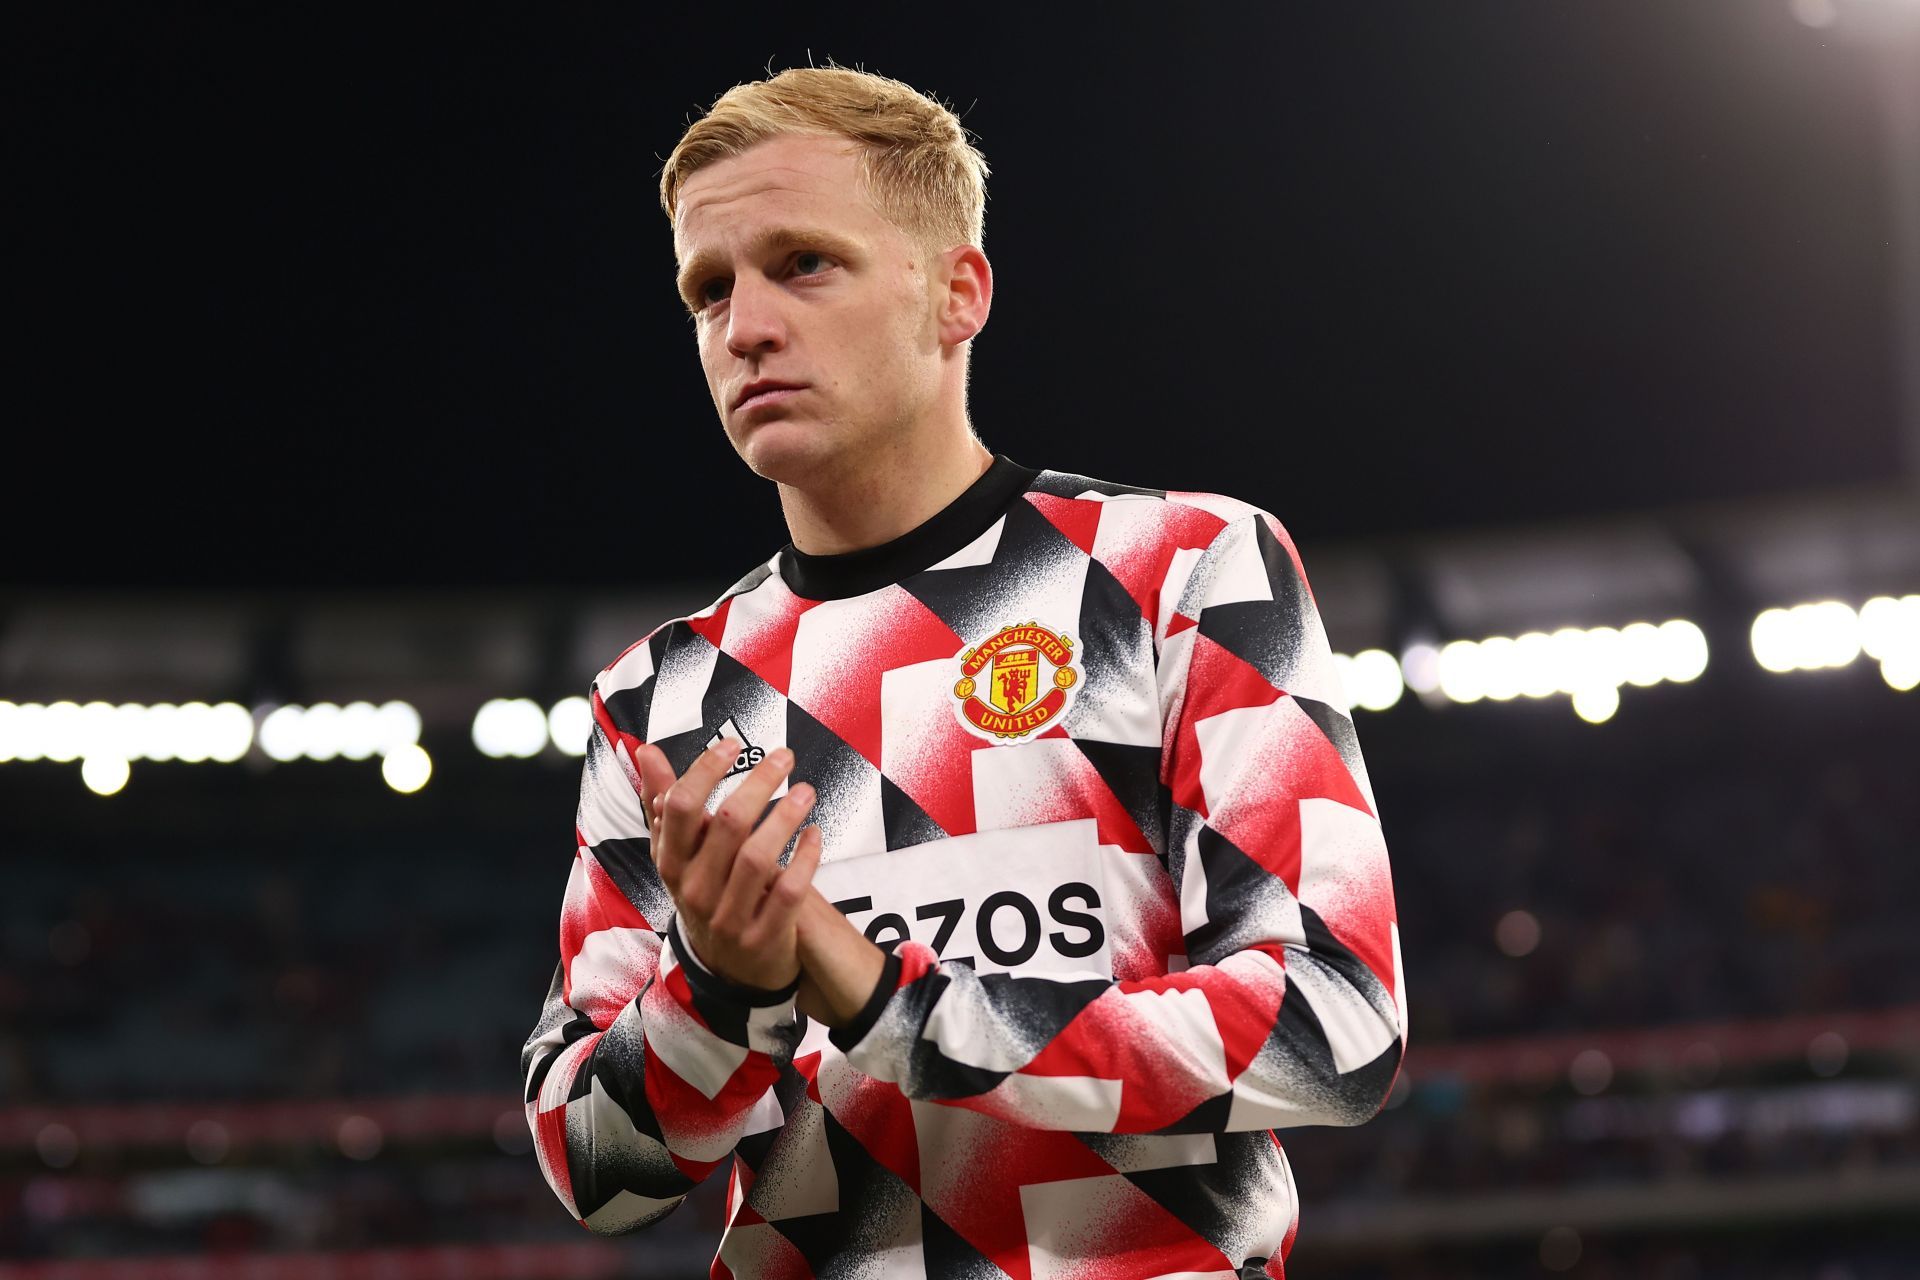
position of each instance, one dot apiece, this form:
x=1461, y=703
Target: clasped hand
x=748, y=919
x=737, y=905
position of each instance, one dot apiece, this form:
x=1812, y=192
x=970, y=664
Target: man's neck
x=884, y=498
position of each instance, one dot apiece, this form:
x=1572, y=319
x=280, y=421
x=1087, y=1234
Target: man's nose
x=756, y=320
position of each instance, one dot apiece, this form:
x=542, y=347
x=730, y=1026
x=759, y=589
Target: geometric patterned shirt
x=1083, y=768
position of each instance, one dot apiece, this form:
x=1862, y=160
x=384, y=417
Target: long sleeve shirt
x=1084, y=768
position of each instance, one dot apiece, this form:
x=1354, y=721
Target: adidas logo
x=749, y=756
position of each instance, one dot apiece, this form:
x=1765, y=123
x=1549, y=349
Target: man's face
x=794, y=277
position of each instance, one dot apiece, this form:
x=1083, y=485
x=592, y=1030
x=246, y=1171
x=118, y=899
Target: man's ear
x=969, y=294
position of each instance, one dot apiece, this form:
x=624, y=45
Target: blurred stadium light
x=1830, y=633
x=569, y=723
x=407, y=769
x=1494, y=617
x=510, y=727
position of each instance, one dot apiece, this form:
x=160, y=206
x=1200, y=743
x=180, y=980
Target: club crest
x=1016, y=682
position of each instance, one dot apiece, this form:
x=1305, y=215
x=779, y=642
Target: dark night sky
x=311, y=299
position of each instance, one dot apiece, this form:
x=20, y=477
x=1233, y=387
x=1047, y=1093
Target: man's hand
x=840, y=967
x=736, y=904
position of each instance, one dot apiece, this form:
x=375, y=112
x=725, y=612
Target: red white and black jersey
x=1084, y=766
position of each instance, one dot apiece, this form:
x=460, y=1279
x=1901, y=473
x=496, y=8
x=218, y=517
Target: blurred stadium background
x=1579, y=347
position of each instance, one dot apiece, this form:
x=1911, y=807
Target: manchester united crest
x=1016, y=682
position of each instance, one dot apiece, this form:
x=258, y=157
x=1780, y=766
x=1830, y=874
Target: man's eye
x=710, y=291
x=810, y=263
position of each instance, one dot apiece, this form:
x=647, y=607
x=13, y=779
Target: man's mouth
x=765, y=391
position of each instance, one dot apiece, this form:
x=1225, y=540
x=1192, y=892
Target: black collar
x=854, y=573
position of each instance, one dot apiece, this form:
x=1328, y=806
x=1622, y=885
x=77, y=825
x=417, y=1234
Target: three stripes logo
x=749, y=756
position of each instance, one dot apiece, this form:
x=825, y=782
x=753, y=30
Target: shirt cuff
x=845, y=1038
x=708, y=985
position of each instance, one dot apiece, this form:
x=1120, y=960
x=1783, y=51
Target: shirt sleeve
x=645, y=1070
x=1291, y=1010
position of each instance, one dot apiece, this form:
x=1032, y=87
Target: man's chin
x=787, y=452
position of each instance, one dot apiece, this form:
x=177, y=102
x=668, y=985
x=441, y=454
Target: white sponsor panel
x=1031, y=900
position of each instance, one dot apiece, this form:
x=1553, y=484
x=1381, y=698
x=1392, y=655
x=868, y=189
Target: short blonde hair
x=920, y=170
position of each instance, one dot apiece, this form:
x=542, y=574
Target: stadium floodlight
x=161, y=736
x=104, y=774
x=28, y=743
x=1460, y=672
x=97, y=721
x=1376, y=679
x=1829, y=634
x=1825, y=634
x=570, y=724
x=1499, y=677
x=510, y=727
x=1606, y=659
x=1569, y=650
x=1901, y=671
x=283, y=734
x=1889, y=627
x=1420, y=668
x=129, y=731
x=399, y=726
x=229, y=732
x=1533, y=664
x=1642, y=654
x=407, y=769
x=193, y=732
x=359, y=730
x=1683, y=651
x=321, y=724
x=1597, y=703
x=1772, y=638
x=60, y=732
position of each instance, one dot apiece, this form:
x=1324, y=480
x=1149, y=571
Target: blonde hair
x=920, y=170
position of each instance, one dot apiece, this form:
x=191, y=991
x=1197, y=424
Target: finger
x=684, y=808
x=789, y=892
x=656, y=777
x=656, y=809
x=728, y=829
x=758, y=861
x=656, y=774
x=675, y=860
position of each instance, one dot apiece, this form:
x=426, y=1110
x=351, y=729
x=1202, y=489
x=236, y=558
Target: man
x=1083, y=891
